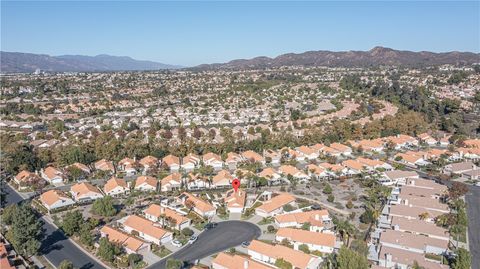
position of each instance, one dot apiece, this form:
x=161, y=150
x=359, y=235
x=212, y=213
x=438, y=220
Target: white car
x=192, y=239
x=177, y=243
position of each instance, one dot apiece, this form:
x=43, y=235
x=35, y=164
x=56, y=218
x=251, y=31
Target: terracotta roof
x=297, y=258
x=157, y=210
x=235, y=199
x=51, y=172
x=84, y=188
x=276, y=202
x=410, y=240
x=25, y=176
x=409, y=257
x=222, y=176
x=171, y=160
x=289, y=170
x=145, y=226
x=121, y=238
x=104, y=165
x=353, y=164
x=200, y=204
x=249, y=154
x=267, y=172
x=419, y=226
x=177, y=177
x=315, y=168
x=114, y=182
x=52, y=196
x=302, y=217
x=238, y=262
x=149, y=160
x=314, y=238
x=151, y=181
x=340, y=147
x=211, y=157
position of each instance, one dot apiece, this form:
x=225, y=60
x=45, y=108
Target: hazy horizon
x=193, y=33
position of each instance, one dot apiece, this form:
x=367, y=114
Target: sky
x=192, y=33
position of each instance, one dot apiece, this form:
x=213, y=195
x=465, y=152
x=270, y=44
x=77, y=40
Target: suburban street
x=56, y=247
x=226, y=235
x=473, y=208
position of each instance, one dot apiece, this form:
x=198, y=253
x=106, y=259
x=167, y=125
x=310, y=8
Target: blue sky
x=191, y=33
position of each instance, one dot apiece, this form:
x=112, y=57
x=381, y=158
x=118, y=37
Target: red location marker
x=235, y=184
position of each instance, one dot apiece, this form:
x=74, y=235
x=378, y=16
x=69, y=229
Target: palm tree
x=424, y=216
x=346, y=229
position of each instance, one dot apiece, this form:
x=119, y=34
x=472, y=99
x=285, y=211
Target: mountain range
x=375, y=57
x=17, y=62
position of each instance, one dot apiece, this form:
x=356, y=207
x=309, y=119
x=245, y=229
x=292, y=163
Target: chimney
x=317, y=217
x=245, y=264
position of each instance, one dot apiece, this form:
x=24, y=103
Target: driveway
x=226, y=235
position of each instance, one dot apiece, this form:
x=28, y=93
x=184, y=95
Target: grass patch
x=162, y=252
x=265, y=221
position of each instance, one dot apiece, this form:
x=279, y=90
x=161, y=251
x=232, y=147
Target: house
x=273, y=157
x=323, y=242
x=412, y=159
x=171, y=182
x=395, y=177
x=252, y=156
x=195, y=182
x=374, y=164
x=130, y=243
x=401, y=141
x=354, y=167
x=271, y=175
x=129, y=166
x=316, y=171
x=398, y=258
x=104, y=165
x=232, y=160
x=85, y=192
x=146, y=183
x=413, y=242
x=459, y=168
x=147, y=230
x=316, y=218
x=55, y=199
x=368, y=146
x=274, y=206
x=427, y=139
x=148, y=163
x=333, y=169
x=419, y=227
x=172, y=162
x=24, y=179
x=52, y=175
x=158, y=213
x=116, y=186
x=235, y=200
x=198, y=205
x=227, y=261
x=82, y=167
x=222, y=179
x=190, y=161
x=344, y=150
x=286, y=170
x=304, y=152
x=213, y=160
x=408, y=212
x=267, y=253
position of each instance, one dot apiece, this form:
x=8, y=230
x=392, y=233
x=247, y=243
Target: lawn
x=162, y=252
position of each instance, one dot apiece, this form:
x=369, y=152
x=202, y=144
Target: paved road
x=226, y=235
x=473, y=209
x=56, y=247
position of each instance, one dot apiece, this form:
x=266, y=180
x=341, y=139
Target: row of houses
x=406, y=231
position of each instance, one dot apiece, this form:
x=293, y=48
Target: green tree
x=463, y=259
x=174, y=264
x=72, y=221
x=65, y=264
x=327, y=189
x=9, y=213
x=349, y=259
x=108, y=250
x=25, y=231
x=187, y=231
x=134, y=259
x=283, y=264
x=85, y=234
x=304, y=248
x=104, y=207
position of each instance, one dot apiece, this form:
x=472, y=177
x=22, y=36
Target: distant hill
x=16, y=62
x=374, y=57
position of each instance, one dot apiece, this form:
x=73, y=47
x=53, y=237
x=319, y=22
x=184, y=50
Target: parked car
x=245, y=244
x=177, y=243
x=210, y=225
x=192, y=239
x=315, y=207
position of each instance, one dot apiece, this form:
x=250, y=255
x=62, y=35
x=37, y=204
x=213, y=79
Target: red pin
x=235, y=184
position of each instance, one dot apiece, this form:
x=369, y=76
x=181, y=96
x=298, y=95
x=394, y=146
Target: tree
x=349, y=259
x=463, y=259
x=187, y=231
x=331, y=198
x=85, y=234
x=104, y=207
x=457, y=190
x=108, y=250
x=134, y=259
x=65, y=264
x=174, y=264
x=72, y=221
x=304, y=248
x=25, y=231
x=327, y=189
x=283, y=264
x=9, y=213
